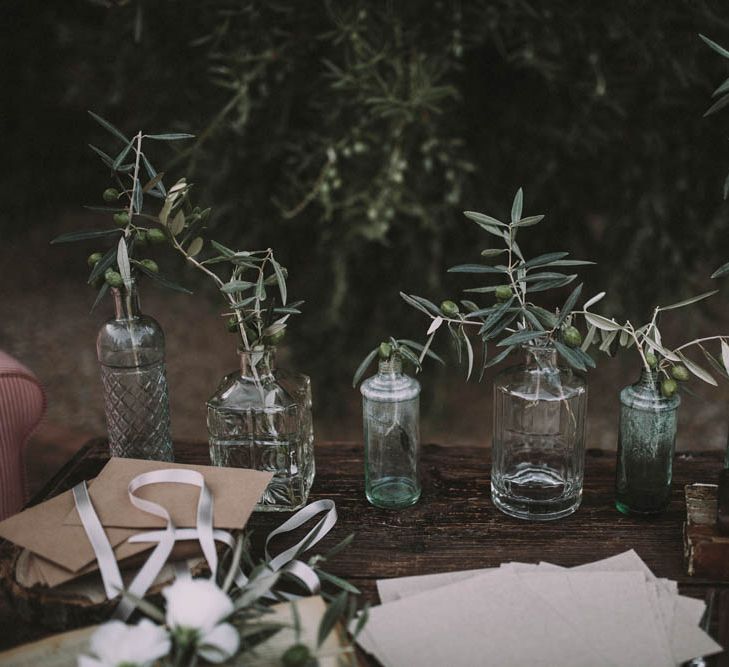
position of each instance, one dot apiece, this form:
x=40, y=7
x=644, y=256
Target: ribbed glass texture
x=539, y=438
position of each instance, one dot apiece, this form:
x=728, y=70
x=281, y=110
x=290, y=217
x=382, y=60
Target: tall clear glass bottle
x=260, y=418
x=391, y=413
x=646, y=445
x=131, y=351
x=538, y=455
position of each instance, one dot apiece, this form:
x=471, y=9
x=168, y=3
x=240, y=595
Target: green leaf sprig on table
x=514, y=319
x=236, y=622
x=402, y=348
x=133, y=228
x=671, y=364
x=259, y=318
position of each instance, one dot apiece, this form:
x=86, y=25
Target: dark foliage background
x=350, y=136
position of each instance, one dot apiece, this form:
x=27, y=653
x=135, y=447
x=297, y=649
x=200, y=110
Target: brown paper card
x=40, y=529
x=130, y=557
x=235, y=493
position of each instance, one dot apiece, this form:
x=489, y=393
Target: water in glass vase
x=538, y=448
x=260, y=418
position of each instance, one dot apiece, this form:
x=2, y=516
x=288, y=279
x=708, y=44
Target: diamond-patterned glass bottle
x=260, y=418
x=131, y=351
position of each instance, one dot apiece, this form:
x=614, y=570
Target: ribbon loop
x=285, y=562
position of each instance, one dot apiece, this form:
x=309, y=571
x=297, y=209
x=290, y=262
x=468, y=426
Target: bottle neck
x=261, y=362
x=391, y=366
x=648, y=380
x=126, y=302
x=540, y=358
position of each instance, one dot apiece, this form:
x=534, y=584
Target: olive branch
x=400, y=348
x=119, y=265
x=246, y=295
x=672, y=364
x=514, y=317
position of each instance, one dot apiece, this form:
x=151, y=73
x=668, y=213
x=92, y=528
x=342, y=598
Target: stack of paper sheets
x=613, y=612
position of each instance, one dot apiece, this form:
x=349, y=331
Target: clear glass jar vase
x=131, y=350
x=538, y=454
x=260, y=418
x=646, y=445
x=391, y=414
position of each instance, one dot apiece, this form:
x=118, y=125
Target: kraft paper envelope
x=52, y=529
x=235, y=492
x=42, y=571
x=40, y=529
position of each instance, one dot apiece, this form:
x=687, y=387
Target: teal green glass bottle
x=646, y=446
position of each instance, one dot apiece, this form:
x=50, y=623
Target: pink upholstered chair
x=22, y=405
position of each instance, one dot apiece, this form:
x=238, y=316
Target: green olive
x=113, y=278
x=449, y=308
x=503, y=292
x=156, y=236
x=94, y=258
x=121, y=219
x=275, y=338
x=651, y=359
x=110, y=195
x=572, y=336
x=668, y=387
x=297, y=655
x=150, y=265
x=232, y=324
x=385, y=351
x=680, y=372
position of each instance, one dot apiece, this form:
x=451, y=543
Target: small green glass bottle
x=646, y=445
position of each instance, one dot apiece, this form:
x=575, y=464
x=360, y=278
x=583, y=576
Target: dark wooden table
x=455, y=526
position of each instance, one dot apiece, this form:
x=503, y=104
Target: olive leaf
x=280, y=279
x=697, y=370
x=171, y=136
x=331, y=616
x=70, y=237
x=196, y=245
x=516, y=207
x=109, y=127
x=122, y=260
x=687, y=302
x=178, y=223
x=602, y=323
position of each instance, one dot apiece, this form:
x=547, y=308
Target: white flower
x=116, y=643
x=199, y=605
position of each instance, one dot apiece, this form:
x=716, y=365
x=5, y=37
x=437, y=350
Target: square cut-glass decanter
x=260, y=418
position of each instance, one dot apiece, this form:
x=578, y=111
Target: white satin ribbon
x=285, y=562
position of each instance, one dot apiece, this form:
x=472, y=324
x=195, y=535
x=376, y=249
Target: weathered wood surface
x=455, y=526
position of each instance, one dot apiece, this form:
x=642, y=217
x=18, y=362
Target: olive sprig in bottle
x=134, y=179
x=671, y=364
x=514, y=319
x=258, y=318
x=404, y=349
